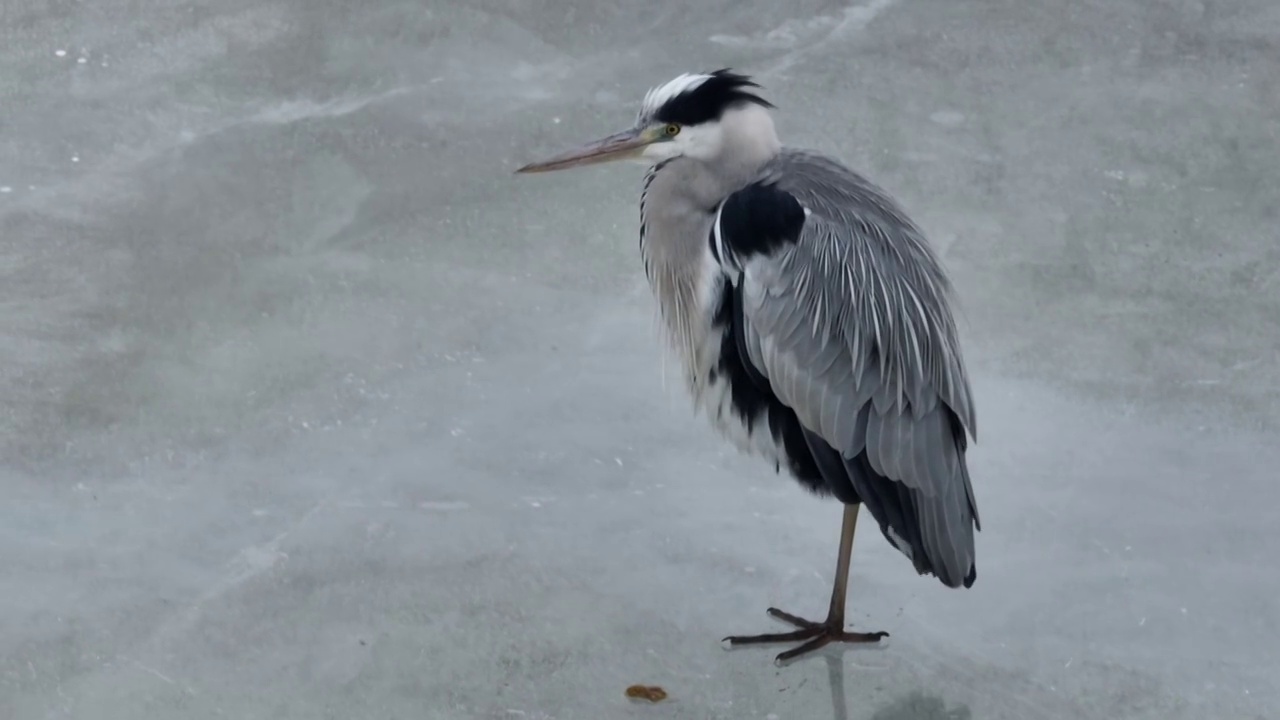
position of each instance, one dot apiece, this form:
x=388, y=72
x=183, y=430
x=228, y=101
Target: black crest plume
x=707, y=101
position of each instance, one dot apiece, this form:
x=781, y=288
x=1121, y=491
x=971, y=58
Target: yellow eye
x=673, y=129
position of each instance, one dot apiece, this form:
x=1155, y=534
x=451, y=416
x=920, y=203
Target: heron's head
x=710, y=117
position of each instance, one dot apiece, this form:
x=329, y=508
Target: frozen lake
x=311, y=409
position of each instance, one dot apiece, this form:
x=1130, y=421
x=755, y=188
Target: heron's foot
x=816, y=635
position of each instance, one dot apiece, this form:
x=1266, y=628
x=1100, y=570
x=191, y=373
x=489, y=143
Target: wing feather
x=852, y=326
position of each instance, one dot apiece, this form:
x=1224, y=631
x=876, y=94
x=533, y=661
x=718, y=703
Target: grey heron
x=813, y=323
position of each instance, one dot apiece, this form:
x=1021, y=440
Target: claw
x=816, y=635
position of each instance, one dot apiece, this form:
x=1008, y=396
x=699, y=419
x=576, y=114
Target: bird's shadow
x=914, y=705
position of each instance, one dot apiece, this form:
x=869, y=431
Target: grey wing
x=852, y=328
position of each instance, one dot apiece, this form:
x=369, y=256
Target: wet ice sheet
x=312, y=408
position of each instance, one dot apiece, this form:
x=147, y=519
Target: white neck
x=749, y=140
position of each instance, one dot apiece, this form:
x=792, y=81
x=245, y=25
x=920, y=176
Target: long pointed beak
x=620, y=146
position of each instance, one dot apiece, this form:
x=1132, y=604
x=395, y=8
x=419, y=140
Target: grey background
x=310, y=409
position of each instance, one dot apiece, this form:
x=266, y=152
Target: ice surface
x=312, y=409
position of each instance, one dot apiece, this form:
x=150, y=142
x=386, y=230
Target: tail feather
x=934, y=532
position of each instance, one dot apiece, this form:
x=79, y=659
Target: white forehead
x=660, y=95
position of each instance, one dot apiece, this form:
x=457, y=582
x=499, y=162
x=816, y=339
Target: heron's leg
x=819, y=634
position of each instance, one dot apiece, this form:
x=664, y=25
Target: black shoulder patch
x=756, y=220
x=707, y=102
